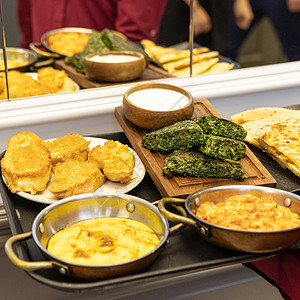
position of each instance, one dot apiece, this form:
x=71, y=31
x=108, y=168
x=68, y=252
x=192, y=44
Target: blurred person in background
x=284, y=15
x=137, y=20
x=210, y=18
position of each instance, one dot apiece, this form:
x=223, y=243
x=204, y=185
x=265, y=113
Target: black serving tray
x=185, y=251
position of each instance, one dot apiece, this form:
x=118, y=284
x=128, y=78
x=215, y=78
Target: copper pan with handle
x=251, y=241
x=68, y=211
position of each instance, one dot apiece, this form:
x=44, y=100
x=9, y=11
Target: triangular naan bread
x=176, y=55
x=263, y=113
x=282, y=142
x=198, y=68
x=220, y=67
x=276, y=131
x=185, y=62
x=254, y=128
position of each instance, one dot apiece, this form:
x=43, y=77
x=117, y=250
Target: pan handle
x=202, y=229
x=41, y=53
x=44, y=63
x=25, y=265
x=178, y=226
x=172, y=216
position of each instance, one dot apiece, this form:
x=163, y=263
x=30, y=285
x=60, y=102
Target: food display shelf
x=185, y=251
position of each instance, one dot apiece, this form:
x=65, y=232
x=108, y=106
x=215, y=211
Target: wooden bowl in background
x=114, y=66
x=155, y=105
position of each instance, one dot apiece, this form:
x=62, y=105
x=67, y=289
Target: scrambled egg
x=103, y=241
x=249, y=212
x=68, y=43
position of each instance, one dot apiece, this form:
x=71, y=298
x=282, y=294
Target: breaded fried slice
x=22, y=85
x=22, y=139
x=74, y=177
x=26, y=168
x=55, y=80
x=72, y=146
x=115, y=160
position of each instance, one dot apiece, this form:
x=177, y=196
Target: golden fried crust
x=55, y=80
x=49, y=81
x=27, y=168
x=22, y=85
x=115, y=160
x=72, y=146
x=75, y=177
x=22, y=139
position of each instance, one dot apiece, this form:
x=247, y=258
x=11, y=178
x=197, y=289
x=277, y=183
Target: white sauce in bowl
x=158, y=99
x=113, y=58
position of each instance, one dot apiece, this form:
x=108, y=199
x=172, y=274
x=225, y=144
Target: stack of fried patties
x=206, y=146
x=29, y=161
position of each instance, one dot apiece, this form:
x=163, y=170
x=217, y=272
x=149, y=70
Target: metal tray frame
x=184, y=253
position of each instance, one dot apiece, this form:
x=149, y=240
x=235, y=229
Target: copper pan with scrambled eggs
x=95, y=236
x=254, y=219
x=61, y=42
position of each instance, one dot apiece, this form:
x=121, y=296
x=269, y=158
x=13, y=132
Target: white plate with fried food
x=57, y=81
x=46, y=197
x=46, y=81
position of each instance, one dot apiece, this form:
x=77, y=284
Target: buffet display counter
x=91, y=113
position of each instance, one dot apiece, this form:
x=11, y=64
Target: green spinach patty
x=188, y=162
x=183, y=134
x=221, y=127
x=204, y=147
x=222, y=147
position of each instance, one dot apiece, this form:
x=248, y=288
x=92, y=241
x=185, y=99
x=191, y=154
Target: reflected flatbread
x=175, y=60
x=181, y=54
x=220, y=67
x=182, y=63
x=198, y=68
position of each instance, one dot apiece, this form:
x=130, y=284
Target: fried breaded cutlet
x=20, y=85
x=26, y=166
x=72, y=146
x=22, y=139
x=115, y=160
x=74, y=177
x=56, y=81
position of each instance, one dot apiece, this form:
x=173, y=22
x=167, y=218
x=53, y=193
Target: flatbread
x=177, y=62
x=182, y=63
x=220, y=67
x=263, y=113
x=282, y=142
x=198, y=68
x=276, y=131
x=252, y=128
x=255, y=127
x=176, y=55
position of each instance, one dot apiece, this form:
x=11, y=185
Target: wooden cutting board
x=182, y=186
x=150, y=73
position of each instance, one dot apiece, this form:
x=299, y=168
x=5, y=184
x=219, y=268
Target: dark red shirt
x=137, y=19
